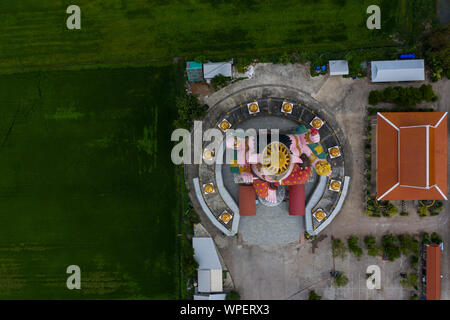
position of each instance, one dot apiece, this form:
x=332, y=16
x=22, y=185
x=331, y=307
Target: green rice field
x=86, y=179
x=33, y=34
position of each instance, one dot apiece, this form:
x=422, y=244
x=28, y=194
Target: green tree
x=189, y=109
x=427, y=92
x=353, y=246
x=233, y=295
x=373, y=249
x=314, y=296
x=390, y=248
x=438, y=50
x=410, y=281
x=338, y=248
x=219, y=81
x=408, y=244
x=436, y=238
x=375, y=97
x=341, y=280
x=426, y=238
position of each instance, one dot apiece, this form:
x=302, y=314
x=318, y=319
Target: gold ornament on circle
x=287, y=107
x=323, y=168
x=319, y=215
x=225, y=217
x=317, y=123
x=335, y=185
x=224, y=125
x=253, y=108
x=334, y=152
x=208, y=188
x=269, y=158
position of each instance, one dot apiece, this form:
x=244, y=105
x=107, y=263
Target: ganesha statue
x=287, y=160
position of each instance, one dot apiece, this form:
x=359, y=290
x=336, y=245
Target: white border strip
x=440, y=120
x=442, y=194
x=208, y=212
x=226, y=197
x=385, y=119
x=336, y=209
x=393, y=187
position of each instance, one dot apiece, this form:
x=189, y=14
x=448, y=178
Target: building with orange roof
x=411, y=156
x=433, y=274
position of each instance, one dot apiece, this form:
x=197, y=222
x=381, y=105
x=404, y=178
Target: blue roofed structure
x=194, y=71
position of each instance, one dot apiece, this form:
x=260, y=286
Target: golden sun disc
x=208, y=188
x=224, y=125
x=335, y=185
x=253, y=108
x=287, y=107
x=319, y=214
x=317, y=123
x=334, y=152
x=225, y=217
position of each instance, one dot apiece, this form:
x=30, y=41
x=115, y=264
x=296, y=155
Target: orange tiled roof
x=433, y=272
x=412, y=156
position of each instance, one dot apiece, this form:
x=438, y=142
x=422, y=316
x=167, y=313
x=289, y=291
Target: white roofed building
x=212, y=69
x=210, y=279
x=398, y=70
x=338, y=67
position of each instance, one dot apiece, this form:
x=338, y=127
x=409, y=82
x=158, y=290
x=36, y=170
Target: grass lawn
x=86, y=179
x=33, y=33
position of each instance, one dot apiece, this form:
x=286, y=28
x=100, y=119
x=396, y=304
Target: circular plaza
x=276, y=188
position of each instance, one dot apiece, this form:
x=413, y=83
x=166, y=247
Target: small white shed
x=212, y=69
x=338, y=67
x=209, y=268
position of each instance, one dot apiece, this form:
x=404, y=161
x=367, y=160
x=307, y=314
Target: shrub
x=403, y=97
x=375, y=97
x=233, y=295
x=426, y=238
x=390, y=249
x=423, y=211
x=415, y=261
x=408, y=245
x=390, y=210
x=410, y=281
x=427, y=92
x=353, y=247
x=193, y=217
x=341, y=280
x=219, y=81
x=338, y=248
x=373, y=249
x=314, y=296
x=189, y=109
x=436, y=238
